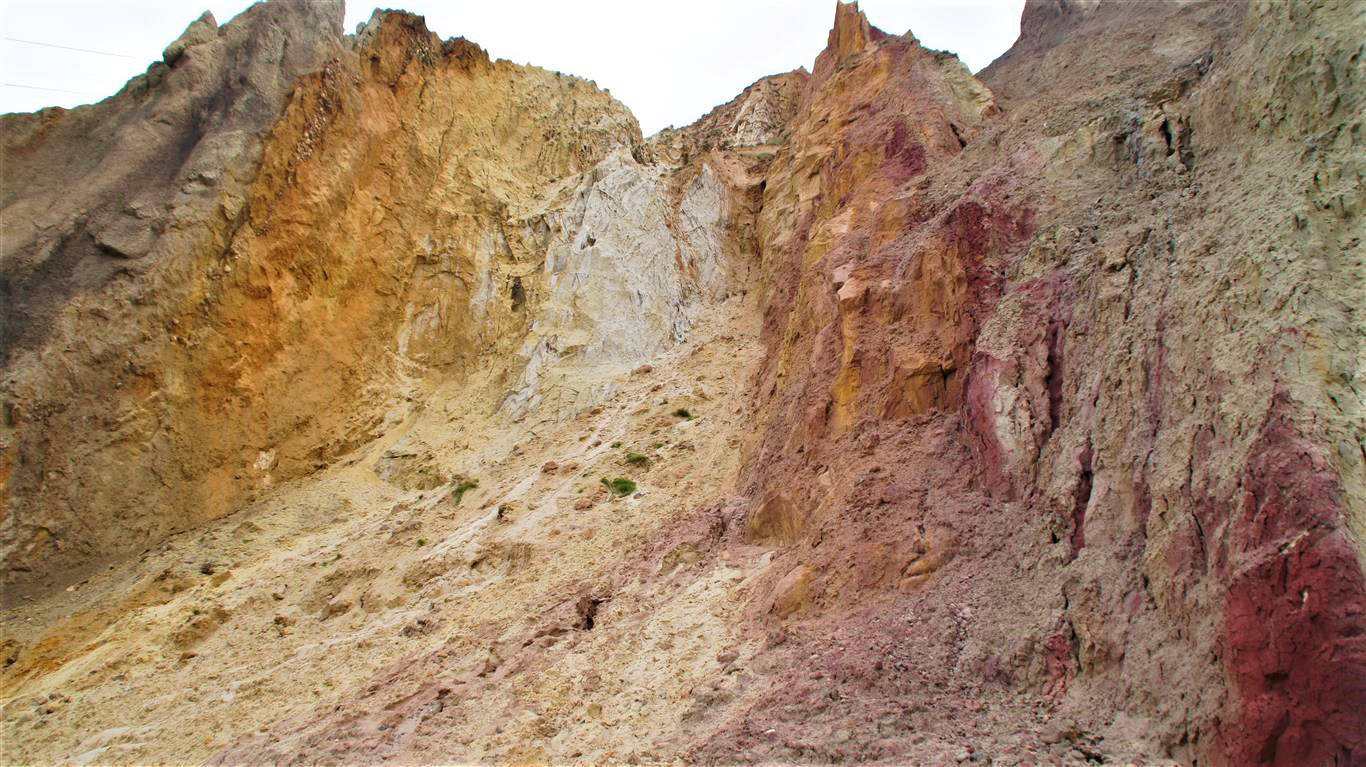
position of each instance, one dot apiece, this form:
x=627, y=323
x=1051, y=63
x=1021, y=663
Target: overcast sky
x=669, y=62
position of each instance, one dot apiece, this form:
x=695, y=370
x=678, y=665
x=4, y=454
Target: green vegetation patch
x=465, y=486
x=621, y=486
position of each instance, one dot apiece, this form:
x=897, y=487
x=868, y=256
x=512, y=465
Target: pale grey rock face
x=625, y=267
x=763, y=115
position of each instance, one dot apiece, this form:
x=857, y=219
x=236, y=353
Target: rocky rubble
x=387, y=402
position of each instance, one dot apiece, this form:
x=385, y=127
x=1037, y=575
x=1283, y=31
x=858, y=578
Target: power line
x=54, y=90
x=70, y=48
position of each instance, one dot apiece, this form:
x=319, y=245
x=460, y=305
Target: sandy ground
x=344, y=584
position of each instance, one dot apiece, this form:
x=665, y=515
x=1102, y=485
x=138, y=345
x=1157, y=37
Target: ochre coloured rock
x=791, y=591
x=1002, y=418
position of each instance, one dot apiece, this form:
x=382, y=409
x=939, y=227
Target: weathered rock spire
x=851, y=34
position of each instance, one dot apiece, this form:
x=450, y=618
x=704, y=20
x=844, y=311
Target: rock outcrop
x=277, y=284
x=396, y=403
x=112, y=213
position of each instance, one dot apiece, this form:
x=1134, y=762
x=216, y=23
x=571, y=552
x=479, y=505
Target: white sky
x=669, y=62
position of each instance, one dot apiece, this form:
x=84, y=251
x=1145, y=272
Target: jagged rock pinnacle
x=851, y=33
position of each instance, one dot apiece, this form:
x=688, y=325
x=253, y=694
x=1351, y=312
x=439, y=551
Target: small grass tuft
x=621, y=486
x=637, y=459
x=683, y=413
x=421, y=542
x=465, y=486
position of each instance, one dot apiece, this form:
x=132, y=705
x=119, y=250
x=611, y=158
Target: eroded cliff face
x=1009, y=419
x=110, y=213
x=398, y=206
x=1063, y=344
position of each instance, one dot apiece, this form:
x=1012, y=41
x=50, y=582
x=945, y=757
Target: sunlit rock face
x=628, y=257
x=403, y=208
x=390, y=402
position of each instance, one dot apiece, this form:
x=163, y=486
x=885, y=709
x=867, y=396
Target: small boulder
x=336, y=607
x=792, y=591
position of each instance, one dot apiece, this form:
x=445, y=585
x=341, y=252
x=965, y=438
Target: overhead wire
x=54, y=90
x=64, y=48
x=73, y=48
